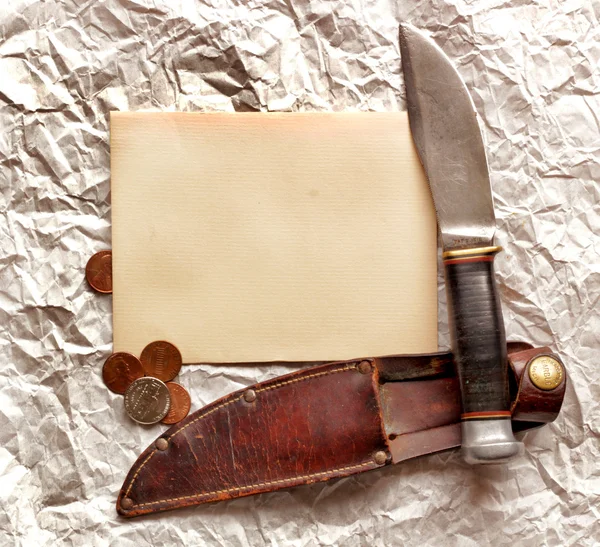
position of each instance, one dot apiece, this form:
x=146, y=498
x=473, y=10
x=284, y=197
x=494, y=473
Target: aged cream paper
x=263, y=237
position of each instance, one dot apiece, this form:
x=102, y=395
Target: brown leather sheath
x=316, y=424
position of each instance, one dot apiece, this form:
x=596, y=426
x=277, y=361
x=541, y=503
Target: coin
x=98, y=272
x=162, y=360
x=147, y=400
x=180, y=404
x=120, y=370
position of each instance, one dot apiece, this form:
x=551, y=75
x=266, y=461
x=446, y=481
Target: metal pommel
x=489, y=441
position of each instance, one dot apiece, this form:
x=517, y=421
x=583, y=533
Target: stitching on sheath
x=258, y=485
x=266, y=388
x=138, y=472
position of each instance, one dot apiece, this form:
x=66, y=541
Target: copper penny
x=180, y=404
x=162, y=360
x=120, y=370
x=147, y=400
x=98, y=272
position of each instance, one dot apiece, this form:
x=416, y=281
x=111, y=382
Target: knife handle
x=479, y=346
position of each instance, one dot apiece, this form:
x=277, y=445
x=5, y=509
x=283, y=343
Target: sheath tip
x=124, y=506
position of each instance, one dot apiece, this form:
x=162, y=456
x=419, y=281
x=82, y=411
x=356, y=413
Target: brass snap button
x=546, y=372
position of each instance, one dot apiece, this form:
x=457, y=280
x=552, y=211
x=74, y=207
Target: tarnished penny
x=147, y=400
x=180, y=404
x=120, y=370
x=98, y=272
x=162, y=360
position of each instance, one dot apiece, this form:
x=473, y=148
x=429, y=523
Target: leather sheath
x=317, y=424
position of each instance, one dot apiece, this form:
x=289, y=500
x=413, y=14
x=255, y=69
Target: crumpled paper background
x=65, y=443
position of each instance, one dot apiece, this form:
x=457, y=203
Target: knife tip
x=407, y=33
x=406, y=29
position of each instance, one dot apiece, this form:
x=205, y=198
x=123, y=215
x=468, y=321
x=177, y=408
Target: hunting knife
x=450, y=146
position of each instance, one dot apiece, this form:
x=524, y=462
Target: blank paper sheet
x=264, y=237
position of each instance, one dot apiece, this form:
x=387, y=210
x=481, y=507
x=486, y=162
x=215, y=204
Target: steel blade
x=448, y=139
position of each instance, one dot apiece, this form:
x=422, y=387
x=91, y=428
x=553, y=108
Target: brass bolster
x=468, y=253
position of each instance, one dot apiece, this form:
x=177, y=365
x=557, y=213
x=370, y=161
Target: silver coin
x=147, y=400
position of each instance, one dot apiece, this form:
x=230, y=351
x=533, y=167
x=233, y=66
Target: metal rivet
x=126, y=503
x=545, y=372
x=162, y=444
x=380, y=457
x=364, y=367
x=250, y=396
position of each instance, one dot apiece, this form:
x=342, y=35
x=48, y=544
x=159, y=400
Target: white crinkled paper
x=65, y=443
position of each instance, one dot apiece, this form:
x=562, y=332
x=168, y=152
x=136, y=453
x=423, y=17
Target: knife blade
x=449, y=143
